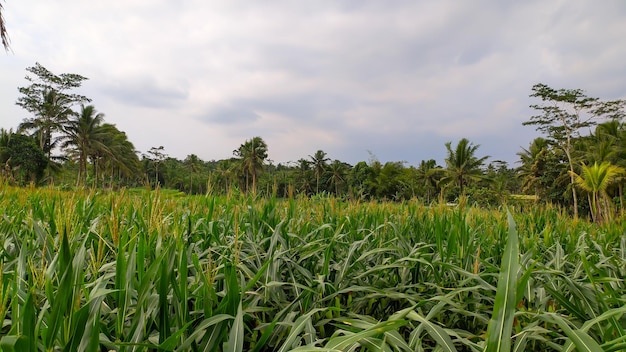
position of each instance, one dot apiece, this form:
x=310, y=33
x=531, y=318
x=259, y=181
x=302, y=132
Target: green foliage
x=154, y=270
x=21, y=158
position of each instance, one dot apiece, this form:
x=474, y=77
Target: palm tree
x=428, y=175
x=49, y=118
x=252, y=155
x=193, y=164
x=462, y=166
x=304, y=176
x=595, y=180
x=225, y=173
x=85, y=135
x=533, y=166
x=119, y=158
x=318, y=160
x=3, y=31
x=337, y=172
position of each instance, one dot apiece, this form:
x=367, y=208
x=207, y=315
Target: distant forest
x=578, y=163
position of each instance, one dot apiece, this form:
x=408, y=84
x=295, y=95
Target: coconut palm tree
x=85, y=136
x=595, y=179
x=533, y=165
x=318, y=160
x=118, y=159
x=428, y=175
x=252, y=155
x=192, y=162
x=50, y=117
x=462, y=166
x=337, y=172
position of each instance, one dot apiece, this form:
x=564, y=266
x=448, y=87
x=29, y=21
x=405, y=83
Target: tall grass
x=154, y=272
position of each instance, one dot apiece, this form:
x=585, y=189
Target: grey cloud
x=230, y=114
x=146, y=92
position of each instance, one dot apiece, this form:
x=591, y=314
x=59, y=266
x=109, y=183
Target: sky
x=359, y=79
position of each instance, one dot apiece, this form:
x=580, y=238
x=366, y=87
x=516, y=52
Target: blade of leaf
x=501, y=323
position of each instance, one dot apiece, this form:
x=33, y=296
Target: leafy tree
x=156, y=156
x=85, y=135
x=595, y=180
x=21, y=158
x=252, y=155
x=358, y=180
x=319, y=161
x=48, y=99
x=462, y=166
x=563, y=113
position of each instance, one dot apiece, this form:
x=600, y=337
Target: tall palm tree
x=225, y=171
x=462, y=166
x=85, y=135
x=50, y=117
x=119, y=158
x=304, y=176
x=192, y=162
x=252, y=155
x=533, y=165
x=337, y=173
x=428, y=175
x=318, y=160
x=595, y=180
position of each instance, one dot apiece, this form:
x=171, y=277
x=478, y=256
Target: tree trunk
x=571, y=176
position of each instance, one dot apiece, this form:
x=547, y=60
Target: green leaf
x=583, y=342
x=435, y=331
x=342, y=342
x=501, y=323
x=235, y=339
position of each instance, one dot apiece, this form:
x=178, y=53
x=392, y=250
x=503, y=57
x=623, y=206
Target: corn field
x=151, y=271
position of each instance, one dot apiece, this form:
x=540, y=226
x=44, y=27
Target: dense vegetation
x=151, y=270
x=67, y=143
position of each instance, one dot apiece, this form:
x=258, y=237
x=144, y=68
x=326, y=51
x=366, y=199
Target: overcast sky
x=394, y=78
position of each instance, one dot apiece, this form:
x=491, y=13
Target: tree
x=318, y=160
x=595, y=180
x=304, y=176
x=21, y=158
x=337, y=171
x=119, y=159
x=48, y=99
x=252, y=155
x=462, y=166
x=49, y=118
x=3, y=31
x=563, y=113
x=86, y=137
x=533, y=165
x=156, y=155
x=428, y=175
x=192, y=162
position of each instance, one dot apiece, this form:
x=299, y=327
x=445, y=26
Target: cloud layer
x=397, y=79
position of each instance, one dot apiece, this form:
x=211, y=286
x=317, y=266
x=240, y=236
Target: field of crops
x=151, y=271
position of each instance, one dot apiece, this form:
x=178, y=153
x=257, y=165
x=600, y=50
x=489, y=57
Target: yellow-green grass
x=143, y=271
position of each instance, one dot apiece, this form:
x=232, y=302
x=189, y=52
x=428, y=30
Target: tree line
x=66, y=142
